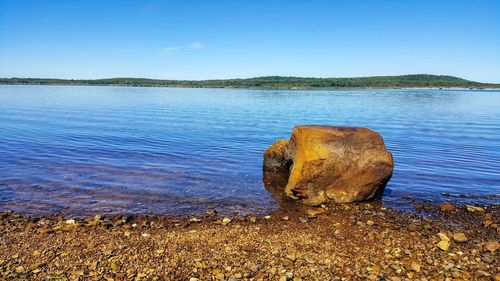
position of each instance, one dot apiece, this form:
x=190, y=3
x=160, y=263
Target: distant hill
x=401, y=81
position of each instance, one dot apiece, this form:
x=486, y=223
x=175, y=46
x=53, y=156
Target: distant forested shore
x=273, y=82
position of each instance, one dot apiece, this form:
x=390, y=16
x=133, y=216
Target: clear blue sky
x=229, y=39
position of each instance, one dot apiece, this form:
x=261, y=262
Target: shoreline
x=263, y=88
x=362, y=241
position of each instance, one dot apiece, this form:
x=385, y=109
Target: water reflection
x=154, y=150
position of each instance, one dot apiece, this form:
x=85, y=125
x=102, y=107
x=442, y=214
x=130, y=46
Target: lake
x=85, y=150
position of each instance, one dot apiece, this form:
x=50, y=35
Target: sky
x=190, y=39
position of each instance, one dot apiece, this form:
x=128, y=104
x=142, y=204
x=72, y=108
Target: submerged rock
x=323, y=163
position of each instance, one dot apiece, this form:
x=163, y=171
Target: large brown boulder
x=323, y=163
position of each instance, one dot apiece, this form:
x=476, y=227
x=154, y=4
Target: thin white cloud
x=194, y=45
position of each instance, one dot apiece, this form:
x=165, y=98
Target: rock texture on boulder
x=323, y=163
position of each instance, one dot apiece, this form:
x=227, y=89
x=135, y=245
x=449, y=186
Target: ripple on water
x=183, y=151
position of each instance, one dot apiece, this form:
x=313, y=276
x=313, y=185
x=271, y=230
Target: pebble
x=314, y=212
x=370, y=222
x=415, y=266
x=267, y=217
x=285, y=218
x=145, y=235
x=20, y=269
x=473, y=209
x=443, y=237
x=447, y=207
x=195, y=220
x=291, y=257
x=252, y=219
x=460, y=237
x=443, y=245
x=487, y=222
x=37, y=265
x=70, y=221
x=303, y=219
x=226, y=221
x=492, y=246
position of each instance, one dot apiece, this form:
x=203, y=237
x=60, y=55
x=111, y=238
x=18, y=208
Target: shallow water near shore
x=85, y=150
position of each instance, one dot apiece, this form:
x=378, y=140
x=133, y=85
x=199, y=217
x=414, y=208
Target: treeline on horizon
x=401, y=81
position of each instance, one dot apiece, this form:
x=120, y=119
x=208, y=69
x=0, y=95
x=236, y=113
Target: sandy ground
x=340, y=242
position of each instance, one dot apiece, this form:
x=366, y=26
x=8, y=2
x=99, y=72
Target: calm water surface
x=182, y=151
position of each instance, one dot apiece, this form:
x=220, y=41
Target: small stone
x=447, y=207
x=145, y=235
x=303, y=219
x=37, y=265
x=216, y=271
x=254, y=268
x=36, y=253
x=486, y=258
x=415, y=266
x=312, y=213
x=443, y=237
x=70, y=221
x=194, y=279
x=443, y=245
x=127, y=233
x=252, y=219
x=370, y=222
x=291, y=257
x=160, y=251
x=492, y=246
x=20, y=269
x=483, y=273
x=487, y=222
x=267, y=217
x=460, y=237
x=289, y=275
x=285, y=218
x=195, y=220
x=473, y=209
x=283, y=278
x=226, y=221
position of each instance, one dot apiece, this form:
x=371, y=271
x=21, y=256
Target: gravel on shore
x=339, y=242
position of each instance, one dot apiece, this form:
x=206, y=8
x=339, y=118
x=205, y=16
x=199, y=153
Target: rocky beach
x=360, y=241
